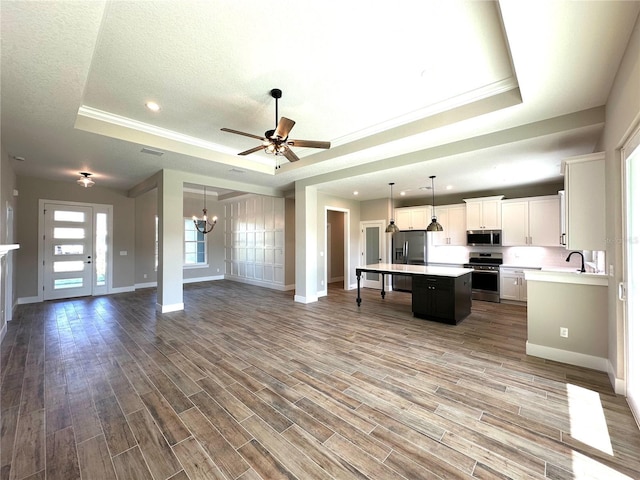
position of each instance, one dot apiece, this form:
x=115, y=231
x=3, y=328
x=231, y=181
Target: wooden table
x=439, y=293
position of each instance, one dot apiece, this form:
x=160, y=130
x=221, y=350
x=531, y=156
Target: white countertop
x=566, y=276
x=418, y=269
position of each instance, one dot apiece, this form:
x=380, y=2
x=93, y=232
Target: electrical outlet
x=564, y=332
x=145, y=275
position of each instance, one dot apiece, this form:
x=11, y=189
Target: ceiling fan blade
x=252, y=150
x=284, y=127
x=309, y=143
x=292, y=157
x=237, y=132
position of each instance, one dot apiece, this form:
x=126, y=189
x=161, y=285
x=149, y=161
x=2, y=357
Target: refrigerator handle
x=405, y=252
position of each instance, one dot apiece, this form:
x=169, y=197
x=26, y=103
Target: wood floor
x=246, y=384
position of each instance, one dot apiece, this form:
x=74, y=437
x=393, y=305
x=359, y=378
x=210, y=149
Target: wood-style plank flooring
x=246, y=384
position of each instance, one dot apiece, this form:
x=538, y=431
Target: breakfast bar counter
x=439, y=293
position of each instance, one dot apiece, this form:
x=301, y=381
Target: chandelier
x=204, y=224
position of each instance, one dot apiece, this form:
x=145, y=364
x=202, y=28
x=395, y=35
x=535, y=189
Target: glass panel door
x=372, y=243
x=68, y=251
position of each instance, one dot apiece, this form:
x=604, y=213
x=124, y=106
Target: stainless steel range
x=485, y=278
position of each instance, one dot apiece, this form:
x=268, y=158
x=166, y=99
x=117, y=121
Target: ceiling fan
x=277, y=141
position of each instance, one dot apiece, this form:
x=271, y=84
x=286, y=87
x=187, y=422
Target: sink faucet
x=582, y=270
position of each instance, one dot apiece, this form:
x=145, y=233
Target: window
x=195, y=245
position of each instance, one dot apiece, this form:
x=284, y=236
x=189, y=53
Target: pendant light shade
x=392, y=227
x=434, y=226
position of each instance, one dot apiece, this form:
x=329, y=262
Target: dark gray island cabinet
x=442, y=294
x=443, y=299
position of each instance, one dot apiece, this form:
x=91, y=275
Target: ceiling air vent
x=151, y=151
x=236, y=170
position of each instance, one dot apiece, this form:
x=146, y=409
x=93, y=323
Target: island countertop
x=403, y=269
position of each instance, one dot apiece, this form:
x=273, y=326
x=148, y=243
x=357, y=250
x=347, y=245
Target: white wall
x=622, y=115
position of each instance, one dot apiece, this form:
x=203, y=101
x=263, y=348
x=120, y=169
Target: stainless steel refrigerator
x=408, y=247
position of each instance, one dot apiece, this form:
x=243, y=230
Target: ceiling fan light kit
x=277, y=141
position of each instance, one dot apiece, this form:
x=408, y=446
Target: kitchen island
x=442, y=294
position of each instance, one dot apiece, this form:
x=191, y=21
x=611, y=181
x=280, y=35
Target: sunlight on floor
x=586, y=415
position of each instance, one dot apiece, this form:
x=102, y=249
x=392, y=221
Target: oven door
x=485, y=285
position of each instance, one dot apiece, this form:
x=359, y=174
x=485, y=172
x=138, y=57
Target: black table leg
x=358, y=299
x=383, y=293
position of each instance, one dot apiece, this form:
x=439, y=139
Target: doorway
x=336, y=266
x=631, y=276
x=372, y=250
x=75, y=255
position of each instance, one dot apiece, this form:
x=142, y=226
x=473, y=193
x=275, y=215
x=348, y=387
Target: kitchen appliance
x=408, y=247
x=485, y=238
x=485, y=278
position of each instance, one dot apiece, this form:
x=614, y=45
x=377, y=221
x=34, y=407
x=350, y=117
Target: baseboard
x=301, y=299
x=336, y=279
x=176, y=307
x=566, y=356
x=203, y=279
x=354, y=286
x=130, y=288
x=322, y=293
x=25, y=300
x=258, y=283
x=619, y=385
x=145, y=285
x=3, y=332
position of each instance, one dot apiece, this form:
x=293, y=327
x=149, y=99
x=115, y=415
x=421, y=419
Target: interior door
x=68, y=251
x=632, y=275
x=372, y=243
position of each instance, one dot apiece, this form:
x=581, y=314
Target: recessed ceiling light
x=448, y=187
x=153, y=106
x=403, y=193
x=355, y=193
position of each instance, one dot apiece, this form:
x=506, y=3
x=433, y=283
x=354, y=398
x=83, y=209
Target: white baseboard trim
x=565, y=356
x=203, y=279
x=25, y=300
x=301, y=299
x=259, y=283
x=322, y=293
x=145, y=285
x=619, y=385
x=3, y=332
x=336, y=279
x=176, y=307
x=354, y=286
x=130, y=288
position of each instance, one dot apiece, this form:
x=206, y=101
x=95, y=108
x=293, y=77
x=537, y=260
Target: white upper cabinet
x=531, y=221
x=413, y=218
x=584, y=186
x=484, y=213
x=453, y=219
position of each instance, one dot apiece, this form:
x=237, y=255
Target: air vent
x=151, y=151
x=236, y=170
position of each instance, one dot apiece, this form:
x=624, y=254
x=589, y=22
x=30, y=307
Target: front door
x=372, y=243
x=68, y=251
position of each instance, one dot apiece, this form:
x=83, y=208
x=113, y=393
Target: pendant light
x=392, y=227
x=434, y=226
x=204, y=225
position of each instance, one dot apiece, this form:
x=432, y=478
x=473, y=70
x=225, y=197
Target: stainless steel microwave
x=485, y=238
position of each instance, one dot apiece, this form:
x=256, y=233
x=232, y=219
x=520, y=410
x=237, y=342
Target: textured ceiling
x=484, y=95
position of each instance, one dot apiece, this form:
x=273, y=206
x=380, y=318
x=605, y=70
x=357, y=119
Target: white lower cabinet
x=513, y=285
